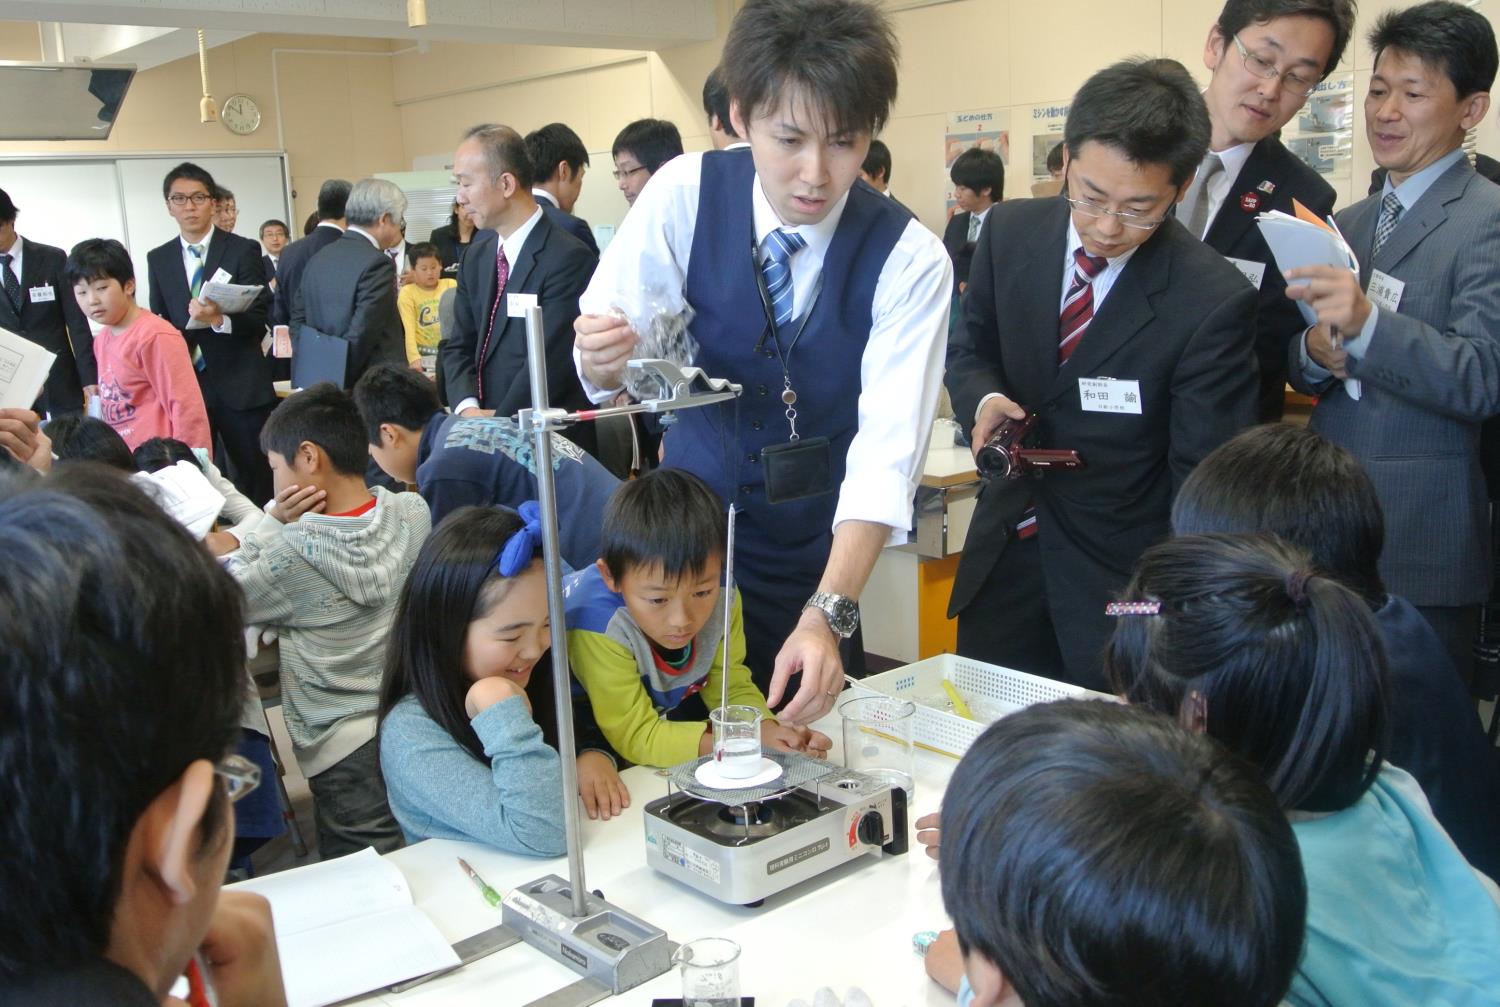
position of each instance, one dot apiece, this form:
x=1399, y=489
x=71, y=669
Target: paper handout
x=232, y=298
x=184, y=492
x=24, y=367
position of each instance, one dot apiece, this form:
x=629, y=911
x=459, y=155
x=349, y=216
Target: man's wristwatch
x=842, y=613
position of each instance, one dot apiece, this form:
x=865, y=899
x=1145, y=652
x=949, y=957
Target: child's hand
x=604, y=793
x=929, y=833
x=486, y=692
x=295, y=501
x=945, y=962
x=793, y=738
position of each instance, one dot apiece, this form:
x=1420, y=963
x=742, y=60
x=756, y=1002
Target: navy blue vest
x=730, y=322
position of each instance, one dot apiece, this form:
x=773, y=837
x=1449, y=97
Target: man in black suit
x=559, y=159
x=226, y=349
x=332, y=198
x=519, y=252
x=273, y=240
x=349, y=288
x=1266, y=56
x=978, y=178
x=1131, y=341
x=38, y=304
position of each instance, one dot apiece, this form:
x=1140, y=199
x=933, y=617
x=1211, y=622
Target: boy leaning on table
x=646, y=631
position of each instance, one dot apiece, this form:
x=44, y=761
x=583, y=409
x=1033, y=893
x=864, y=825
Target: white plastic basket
x=990, y=691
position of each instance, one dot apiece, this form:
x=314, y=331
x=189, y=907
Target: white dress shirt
x=512, y=246
x=645, y=269
x=542, y=196
x=190, y=264
x=1219, y=186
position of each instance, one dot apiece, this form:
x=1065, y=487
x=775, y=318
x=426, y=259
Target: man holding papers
x=1416, y=329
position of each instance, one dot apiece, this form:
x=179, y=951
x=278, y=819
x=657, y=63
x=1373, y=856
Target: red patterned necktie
x=502, y=276
x=1078, y=308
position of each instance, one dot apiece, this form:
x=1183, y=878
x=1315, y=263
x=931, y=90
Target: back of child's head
x=1288, y=662
x=667, y=519
x=1291, y=482
x=121, y=663
x=456, y=579
x=423, y=250
x=324, y=415
x=391, y=393
x=1099, y=854
x=98, y=259
x=79, y=438
x=161, y=452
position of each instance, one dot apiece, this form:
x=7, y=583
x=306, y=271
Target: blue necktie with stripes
x=779, y=247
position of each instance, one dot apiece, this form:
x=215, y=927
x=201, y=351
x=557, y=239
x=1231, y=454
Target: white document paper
x=232, y=298
x=1296, y=243
x=184, y=492
x=24, y=367
x=348, y=926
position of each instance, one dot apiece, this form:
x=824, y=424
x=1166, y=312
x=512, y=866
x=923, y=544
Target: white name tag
x=221, y=275
x=1109, y=395
x=1385, y=290
x=42, y=294
x=516, y=304
x=1252, y=271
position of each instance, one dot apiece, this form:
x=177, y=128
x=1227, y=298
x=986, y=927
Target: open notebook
x=348, y=926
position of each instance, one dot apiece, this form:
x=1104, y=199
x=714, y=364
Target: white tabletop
x=850, y=927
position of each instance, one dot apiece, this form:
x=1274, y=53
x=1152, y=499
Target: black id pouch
x=798, y=469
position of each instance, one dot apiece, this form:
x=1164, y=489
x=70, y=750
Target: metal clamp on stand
x=613, y=950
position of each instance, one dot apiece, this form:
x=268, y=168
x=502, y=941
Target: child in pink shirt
x=147, y=387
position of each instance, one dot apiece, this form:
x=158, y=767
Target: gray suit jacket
x=349, y=289
x=1431, y=375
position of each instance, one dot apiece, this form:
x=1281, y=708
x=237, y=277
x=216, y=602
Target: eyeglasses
x=241, y=775
x=627, y=172
x=1136, y=220
x=182, y=199
x=1292, y=81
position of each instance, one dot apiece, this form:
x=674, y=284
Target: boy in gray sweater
x=328, y=582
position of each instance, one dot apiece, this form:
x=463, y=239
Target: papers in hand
x=232, y=298
x=1303, y=240
x=348, y=926
x=24, y=367
x=183, y=491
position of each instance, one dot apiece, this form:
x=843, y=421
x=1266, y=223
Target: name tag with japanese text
x=517, y=303
x=1110, y=395
x=221, y=275
x=43, y=294
x=1385, y=290
x=1255, y=272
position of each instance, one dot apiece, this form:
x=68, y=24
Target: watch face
x=240, y=114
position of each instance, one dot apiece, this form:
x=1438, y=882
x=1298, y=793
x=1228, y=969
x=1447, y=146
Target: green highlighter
x=490, y=895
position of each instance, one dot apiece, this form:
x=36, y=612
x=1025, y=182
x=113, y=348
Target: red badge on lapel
x=1250, y=202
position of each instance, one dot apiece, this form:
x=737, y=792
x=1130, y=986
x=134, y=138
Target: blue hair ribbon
x=519, y=550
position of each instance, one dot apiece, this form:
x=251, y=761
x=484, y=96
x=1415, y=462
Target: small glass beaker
x=710, y=972
x=736, y=740
x=878, y=739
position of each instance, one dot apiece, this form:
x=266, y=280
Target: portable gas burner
x=741, y=846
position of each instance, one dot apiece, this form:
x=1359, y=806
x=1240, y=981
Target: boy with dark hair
x=79, y=438
x=456, y=462
x=117, y=772
x=639, y=150
x=1109, y=284
x=418, y=306
x=646, y=632
x=1265, y=58
x=1099, y=854
x=978, y=178
x=146, y=383
x=716, y=109
x=844, y=313
x=233, y=373
x=558, y=160
x=35, y=304
x=328, y=584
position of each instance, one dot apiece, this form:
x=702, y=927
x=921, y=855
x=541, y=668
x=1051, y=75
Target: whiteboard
x=67, y=199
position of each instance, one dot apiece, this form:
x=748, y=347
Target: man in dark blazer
x=978, y=178
x=559, y=159
x=349, y=288
x=1264, y=65
x=332, y=200
x=1131, y=341
x=484, y=359
x=1416, y=368
x=233, y=371
x=37, y=303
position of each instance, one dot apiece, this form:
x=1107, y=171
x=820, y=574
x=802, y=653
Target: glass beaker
x=736, y=740
x=878, y=739
x=710, y=972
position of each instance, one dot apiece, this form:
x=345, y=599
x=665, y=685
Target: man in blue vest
x=824, y=299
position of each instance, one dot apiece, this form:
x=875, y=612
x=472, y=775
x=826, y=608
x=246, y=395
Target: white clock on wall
x=240, y=114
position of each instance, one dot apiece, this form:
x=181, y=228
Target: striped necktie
x=1390, y=216
x=196, y=284
x=776, y=267
x=1078, y=308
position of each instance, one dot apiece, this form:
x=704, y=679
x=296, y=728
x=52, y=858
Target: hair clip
x=1119, y=608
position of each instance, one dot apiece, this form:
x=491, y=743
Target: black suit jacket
x=236, y=372
x=57, y=325
x=956, y=241
x=294, y=259
x=349, y=290
x=576, y=226
x=1233, y=234
x=1179, y=320
x=554, y=266
x=268, y=265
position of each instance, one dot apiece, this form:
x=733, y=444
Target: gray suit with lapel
x=1430, y=376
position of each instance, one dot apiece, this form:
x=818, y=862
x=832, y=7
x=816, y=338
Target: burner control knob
x=871, y=828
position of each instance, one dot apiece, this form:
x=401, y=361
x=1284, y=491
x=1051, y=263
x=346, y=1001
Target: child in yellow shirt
x=418, y=304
